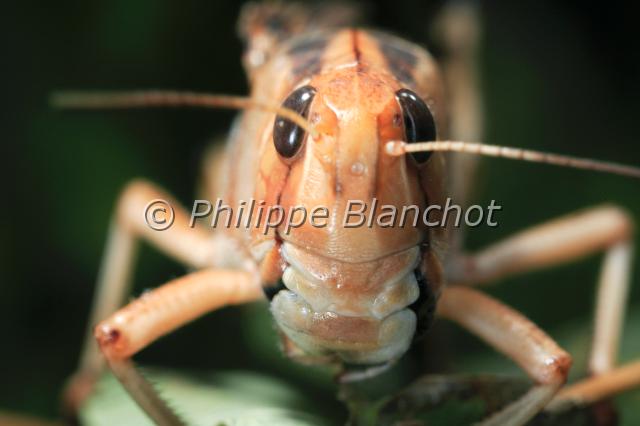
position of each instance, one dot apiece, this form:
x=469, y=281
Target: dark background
x=558, y=76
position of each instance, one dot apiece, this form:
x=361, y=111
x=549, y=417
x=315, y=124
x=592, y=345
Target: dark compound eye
x=419, y=125
x=288, y=136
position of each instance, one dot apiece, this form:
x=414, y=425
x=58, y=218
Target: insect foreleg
x=159, y=312
x=516, y=337
x=559, y=241
x=192, y=246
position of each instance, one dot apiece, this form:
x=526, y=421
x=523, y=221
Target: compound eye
x=287, y=135
x=419, y=125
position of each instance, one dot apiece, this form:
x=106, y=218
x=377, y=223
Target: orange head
x=349, y=270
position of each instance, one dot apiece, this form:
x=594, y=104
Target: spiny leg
x=194, y=247
x=559, y=241
x=159, y=312
x=518, y=338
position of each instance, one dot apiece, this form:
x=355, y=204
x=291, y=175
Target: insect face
x=355, y=114
x=347, y=286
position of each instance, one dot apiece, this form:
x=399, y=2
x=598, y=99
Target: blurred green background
x=558, y=76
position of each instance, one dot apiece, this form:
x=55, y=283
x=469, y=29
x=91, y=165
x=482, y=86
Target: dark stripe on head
x=312, y=43
x=401, y=61
x=357, y=54
x=306, y=54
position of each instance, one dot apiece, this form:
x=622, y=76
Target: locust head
x=351, y=259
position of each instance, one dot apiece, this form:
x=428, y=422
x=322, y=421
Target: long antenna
x=398, y=148
x=162, y=98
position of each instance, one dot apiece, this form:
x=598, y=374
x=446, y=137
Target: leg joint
x=111, y=341
x=556, y=368
x=623, y=220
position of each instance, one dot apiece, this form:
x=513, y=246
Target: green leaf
x=238, y=399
